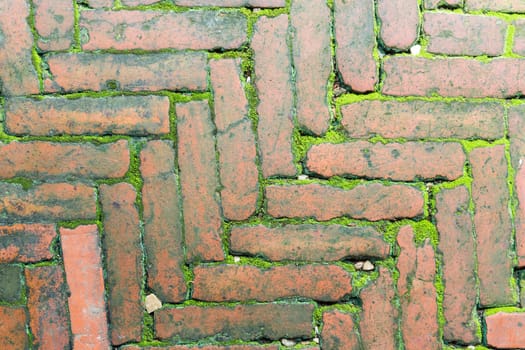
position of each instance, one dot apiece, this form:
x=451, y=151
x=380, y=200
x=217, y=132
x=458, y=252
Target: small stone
x=316, y=340
x=359, y=265
x=368, y=266
x=415, y=50
x=302, y=177
x=236, y=259
x=152, y=303
x=287, y=342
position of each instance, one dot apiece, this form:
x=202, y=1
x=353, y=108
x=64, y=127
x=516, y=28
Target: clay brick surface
x=495, y=5
x=505, y=330
x=13, y=328
x=399, y=22
x=339, y=332
x=54, y=21
x=26, y=242
x=232, y=3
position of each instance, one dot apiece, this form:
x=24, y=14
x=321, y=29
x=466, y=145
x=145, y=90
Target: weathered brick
x=493, y=226
x=126, y=72
x=419, y=310
x=98, y=3
x=273, y=75
x=13, y=328
x=408, y=161
x=11, y=286
x=235, y=141
x=162, y=222
x=123, y=262
x=155, y=30
x=233, y=3
x=244, y=282
x=309, y=242
x=54, y=23
x=26, y=243
x=399, y=21
x=423, y=119
x=47, y=304
x=48, y=202
x=519, y=36
x=204, y=347
x=495, y=5
x=17, y=73
x=505, y=330
x=40, y=159
x=199, y=183
x=378, y=322
x=84, y=275
x=500, y=78
x=138, y=2
x=355, y=39
x=134, y=115
x=339, y=331
x=457, y=246
x=245, y=322
x=310, y=28
x=458, y=34
x=371, y=201
x=433, y=4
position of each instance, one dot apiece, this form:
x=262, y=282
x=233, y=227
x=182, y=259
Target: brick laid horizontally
x=26, y=243
x=495, y=5
x=232, y=3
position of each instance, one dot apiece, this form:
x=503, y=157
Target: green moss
x=26, y=183
x=507, y=309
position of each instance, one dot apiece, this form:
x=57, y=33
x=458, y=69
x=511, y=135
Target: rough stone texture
x=11, y=286
x=13, y=328
x=339, y=331
x=505, y=330
x=399, y=23
x=54, y=21
x=26, y=243
x=495, y=5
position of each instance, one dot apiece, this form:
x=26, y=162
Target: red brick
x=399, y=23
x=378, y=323
x=123, y=262
x=162, y=222
x=273, y=76
x=17, y=74
x=155, y=30
x=339, y=332
x=138, y=2
x=87, y=306
x=199, y=183
x=371, y=201
x=493, y=226
x=495, y=5
x=419, y=311
x=500, y=78
x=232, y=3
x=47, y=304
x=453, y=33
x=40, y=159
x=235, y=141
x=408, y=161
x=423, y=119
x=26, y=243
x=309, y=242
x=244, y=322
x=160, y=71
x=519, y=36
x=54, y=21
x=457, y=246
x=204, y=347
x=13, y=328
x=244, y=282
x=433, y=4
x=134, y=115
x=505, y=330
x=47, y=202
x=355, y=39
x=99, y=3
x=312, y=58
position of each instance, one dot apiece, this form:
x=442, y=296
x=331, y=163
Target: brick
x=233, y=3
x=54, y=21
x=73, y=72
x=46, y=202
x=199, y=183
x=410, y=161
x=378, y=322
x=371, y=201
x=155, y=30
x=99, y=3
x=138, y=2
x=11, y=287
x=339, y=331
x=17, y=73
x=312, y=58
x=454, y=77
x=205, y=347
x=433, y=4
x=87, y=306
x=26, y=243
x=123, y=262
x=244, y=322
x=244, y=282
x=13, y=328
x=495, y=5
x=493, y=226
x=452, y=34
x=505, y=330
x=422, y=119
x=40, y=159
x=235, y=141
x=47, y=304
x=309, y=242
x=355, y=39
x=457, y=246
x=123, y=115
x=273, y=81
x=419, y=310
x=163, y=236
x=399, y=23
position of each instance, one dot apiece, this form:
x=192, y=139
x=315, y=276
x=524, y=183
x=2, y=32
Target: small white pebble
x=415, y=50
x=152, y=303
x=316, y=329
x=316, y=340
x=236, y=259
x=368, y=266
x=520, y=163
x=302, y=177
x=248, y=80
x=287, y=342
x=359, y=265
x=471, y=347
